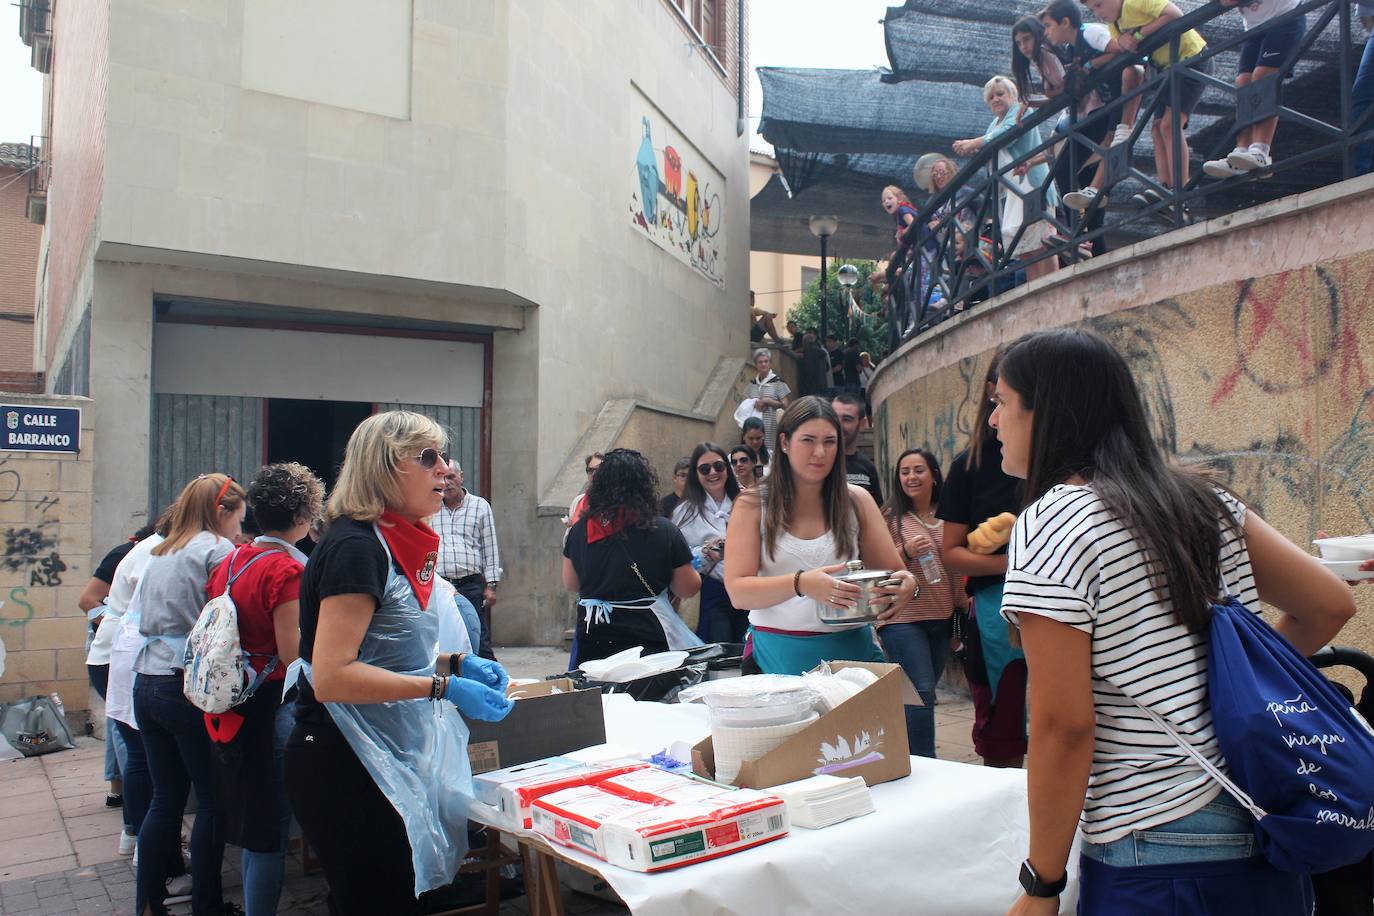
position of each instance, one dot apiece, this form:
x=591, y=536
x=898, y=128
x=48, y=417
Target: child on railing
x=1260, y=56
x=1130, y=23
x=1083, y=49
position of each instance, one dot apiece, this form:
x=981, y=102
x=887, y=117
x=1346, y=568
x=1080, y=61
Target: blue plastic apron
x=415, y=750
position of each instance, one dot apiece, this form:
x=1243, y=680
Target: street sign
x=31, y=428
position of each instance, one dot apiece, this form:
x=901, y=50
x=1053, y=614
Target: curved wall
x=1251, y=336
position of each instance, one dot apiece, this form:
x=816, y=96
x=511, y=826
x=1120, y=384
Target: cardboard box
x=649, y=820
x=549, y=718
x=863, y=736
x=513, y=790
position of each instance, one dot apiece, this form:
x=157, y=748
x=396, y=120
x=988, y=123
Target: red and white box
x=513, y=790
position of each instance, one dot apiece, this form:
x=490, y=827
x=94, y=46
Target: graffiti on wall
x=1264, y=382
x=676, y=195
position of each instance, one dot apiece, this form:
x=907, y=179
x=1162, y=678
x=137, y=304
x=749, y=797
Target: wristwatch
x=1033, y=885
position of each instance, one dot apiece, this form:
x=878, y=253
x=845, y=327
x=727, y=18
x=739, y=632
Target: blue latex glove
x=484, y=671
x=477, y=701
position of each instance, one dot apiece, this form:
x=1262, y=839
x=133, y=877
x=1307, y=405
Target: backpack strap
x=1211, y=768
x=233, y=576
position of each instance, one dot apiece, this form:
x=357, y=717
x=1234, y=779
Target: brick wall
x=18, y=261
x=726, y=52
x=76, y=127
x=45, y=521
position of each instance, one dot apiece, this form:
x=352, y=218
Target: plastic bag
x=35, y=725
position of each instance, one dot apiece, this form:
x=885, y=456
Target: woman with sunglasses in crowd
x=623, y=560
x=789, y=538
x=701, y=517
x=745, y=463
x=206, y=520
x=377, y=776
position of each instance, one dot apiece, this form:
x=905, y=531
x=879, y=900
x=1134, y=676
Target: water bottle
x=930, y=567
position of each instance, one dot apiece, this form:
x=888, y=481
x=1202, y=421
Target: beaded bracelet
x=436, y=689
x=796, y=584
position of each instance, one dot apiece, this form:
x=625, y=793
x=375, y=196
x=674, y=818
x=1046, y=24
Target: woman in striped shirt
x=1112, y=571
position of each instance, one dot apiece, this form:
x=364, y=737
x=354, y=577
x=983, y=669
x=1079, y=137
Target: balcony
x=39, y=169
x=35, y=30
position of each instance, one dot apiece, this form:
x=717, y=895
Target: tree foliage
x=871, y=329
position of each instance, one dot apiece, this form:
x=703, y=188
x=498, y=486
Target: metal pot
x=861, y=612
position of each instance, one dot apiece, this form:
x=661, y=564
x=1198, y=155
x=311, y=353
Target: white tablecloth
x=948, y=840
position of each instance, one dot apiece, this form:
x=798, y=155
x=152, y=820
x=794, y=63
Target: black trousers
x=353, y=828
x=471, y=588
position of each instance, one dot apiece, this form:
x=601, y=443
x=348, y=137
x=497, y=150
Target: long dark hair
x=1020, y=64
x=779, y=492
x=694, y=494
x=1089, y=420
x=753, y=456
x=898, y=503
x=756, y=423
x=625, y=481
x=973, y=458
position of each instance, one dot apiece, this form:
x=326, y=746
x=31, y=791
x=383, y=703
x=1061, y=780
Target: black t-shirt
x=105, y=572
x=859, y=470
x=814, y=377
x=603, y=568
x=667, y=504
x=851, y=368
x=972, y=497
x=836, y=365
x=348, y=560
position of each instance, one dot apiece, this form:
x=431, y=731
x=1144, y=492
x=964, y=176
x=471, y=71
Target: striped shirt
x=467, y=540
x=1072, y=561
x=933, y=600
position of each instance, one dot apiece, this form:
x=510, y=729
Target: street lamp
x=848, y=276
x=823, y=227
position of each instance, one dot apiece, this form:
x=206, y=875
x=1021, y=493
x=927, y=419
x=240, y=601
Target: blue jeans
x=138, y=785
x=921, y=648
x=1203, y=864
x=263, y=871
x=1361, y=95
x=178, y=749
x=1220, y=830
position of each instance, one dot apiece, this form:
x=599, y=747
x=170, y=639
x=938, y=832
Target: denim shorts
x=1220, y=830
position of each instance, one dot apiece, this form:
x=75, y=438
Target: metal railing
x=962, y=253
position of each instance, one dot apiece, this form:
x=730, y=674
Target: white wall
x=252, y=362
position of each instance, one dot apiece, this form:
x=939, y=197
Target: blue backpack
x=1301, y=758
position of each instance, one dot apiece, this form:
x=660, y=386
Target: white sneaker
x=128, y=845
x=1222, y=168
x=1122, y=134
x=178, y=890
x=1080, y=200
x=1248, y=160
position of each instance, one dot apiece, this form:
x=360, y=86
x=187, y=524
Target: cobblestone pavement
x=58, y=841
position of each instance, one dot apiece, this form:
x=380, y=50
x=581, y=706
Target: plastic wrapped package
x=415, y=750
x=754, y=700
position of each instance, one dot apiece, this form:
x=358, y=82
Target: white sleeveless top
x=794, y=553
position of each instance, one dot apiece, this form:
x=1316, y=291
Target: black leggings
x=353, y=828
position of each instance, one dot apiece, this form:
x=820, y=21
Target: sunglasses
x=429, y=457
x=742, y=459
x=707, y=468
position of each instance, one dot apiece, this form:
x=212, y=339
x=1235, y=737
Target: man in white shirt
x=468, y=554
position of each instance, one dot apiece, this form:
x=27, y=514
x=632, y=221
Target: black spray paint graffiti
x=35, y=550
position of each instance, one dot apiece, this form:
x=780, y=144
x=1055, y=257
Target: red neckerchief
x=596, y=529
x=416, y=548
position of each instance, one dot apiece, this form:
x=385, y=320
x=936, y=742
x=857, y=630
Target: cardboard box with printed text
x=549, y=718
x=863, y=736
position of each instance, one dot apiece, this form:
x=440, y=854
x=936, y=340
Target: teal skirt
x=776, y=653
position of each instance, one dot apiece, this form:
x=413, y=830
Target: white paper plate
x=1348, y=570
x=597, y=668
x=1354, y=547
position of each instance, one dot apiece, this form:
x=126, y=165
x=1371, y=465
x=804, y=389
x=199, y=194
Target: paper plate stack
x=753, y=715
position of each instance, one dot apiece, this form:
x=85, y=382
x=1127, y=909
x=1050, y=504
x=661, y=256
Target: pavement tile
x=108, y=823
x=15, y=906
x=35, y=849
x=96, y=850
x=10, y=786
x=38, y=868
x=23, y=766
x=13, y=828
x=35, y=804
x=79, y=805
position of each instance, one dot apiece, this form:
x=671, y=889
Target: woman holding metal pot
x=790, y=538
x=377, y=768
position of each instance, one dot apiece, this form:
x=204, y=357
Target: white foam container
x=1354, y=547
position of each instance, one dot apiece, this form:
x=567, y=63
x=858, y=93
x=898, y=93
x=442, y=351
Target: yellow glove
x=992, y=534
